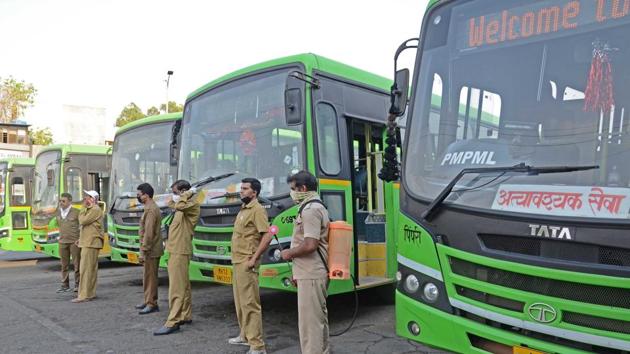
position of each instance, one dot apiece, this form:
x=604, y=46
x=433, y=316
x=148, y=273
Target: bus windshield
x=141, y=155
x=46, y=192
x=520, y=81
x=3, y=178
x=240, y=127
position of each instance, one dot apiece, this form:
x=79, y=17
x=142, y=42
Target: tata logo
x=557, y=232
x=542, y=313
x=223, y=211
x=221, y=250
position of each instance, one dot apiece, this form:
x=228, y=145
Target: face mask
x=299, y=197
x=176, y=197
x=139, y=199
x=246, y=200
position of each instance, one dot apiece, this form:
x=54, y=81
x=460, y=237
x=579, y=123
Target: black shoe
x=184, y=322
x=166, y=330
x=63, y=289
x=76, y=289
x=149, y=309
x=141, y=306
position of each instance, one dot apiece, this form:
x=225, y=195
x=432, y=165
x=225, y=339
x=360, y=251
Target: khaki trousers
x=88, y=272
x=247, y=303
x=313, y=316
x=150, y=281
x=179, y=294
x=66, y=251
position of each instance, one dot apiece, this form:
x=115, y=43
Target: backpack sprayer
x=339, y=252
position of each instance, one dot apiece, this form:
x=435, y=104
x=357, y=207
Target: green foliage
x=15, y=98
x=130, y=113
x=153, y=111
x=172, y=107
x=40, y=136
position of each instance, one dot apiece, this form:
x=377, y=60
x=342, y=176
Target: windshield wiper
x=520, y=168
x=227, y=195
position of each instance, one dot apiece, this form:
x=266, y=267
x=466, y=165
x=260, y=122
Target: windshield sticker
x=469, y=158
x=598, y=202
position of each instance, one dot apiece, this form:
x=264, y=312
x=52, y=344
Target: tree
x=172, y=107
x=130, y=113
x=40, y=136
x=153, y=111
x=15, y=98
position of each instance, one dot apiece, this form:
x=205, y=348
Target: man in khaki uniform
x=250, y=239
x=309, y=251
x=150, y=248
x=90, y=242
x=179, y=246
x=68, y=221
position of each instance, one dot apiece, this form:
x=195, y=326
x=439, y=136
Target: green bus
x=65, y=169
x=273, y=119
x=141, y=153
x=15, y=203
x=513, y=233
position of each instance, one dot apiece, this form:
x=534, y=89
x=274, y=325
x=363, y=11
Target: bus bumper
x=11, y=240
x=448, y=331
x=49, y=249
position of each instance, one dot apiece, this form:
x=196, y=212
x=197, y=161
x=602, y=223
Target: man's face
x=141, y=197
x=175, y=191
x=247, y=191
x=64, y=203
x=88, y=200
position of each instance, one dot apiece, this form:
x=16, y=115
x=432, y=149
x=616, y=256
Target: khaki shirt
x=182, y=227
x=91, y=221
x=250, y=223
x=313, y=223
x=69, y=227
x=150, y=231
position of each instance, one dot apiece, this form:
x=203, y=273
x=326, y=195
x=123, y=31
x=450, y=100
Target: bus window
x=18, y=191
x=74, y=184
x=328, y=139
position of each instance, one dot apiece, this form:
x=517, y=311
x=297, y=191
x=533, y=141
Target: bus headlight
x=431, y=292
x=412, y=284
x=398, y=276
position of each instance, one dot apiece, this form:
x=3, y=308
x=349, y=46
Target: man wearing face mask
x=150, y=248
x=309, y=251
x=250, y=239
x=68, y=221
x=179, y=246
x=90, y=242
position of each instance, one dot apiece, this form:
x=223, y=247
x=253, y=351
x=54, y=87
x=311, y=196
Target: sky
x=108, y=53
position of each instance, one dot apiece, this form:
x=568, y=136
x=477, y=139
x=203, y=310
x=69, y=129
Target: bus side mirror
x=174, y=148
x=293, y=106
x=399, y=93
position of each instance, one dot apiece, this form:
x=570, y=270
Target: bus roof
x=78, y=149
x=311, y=62
x=11, y=161
x=149, y=120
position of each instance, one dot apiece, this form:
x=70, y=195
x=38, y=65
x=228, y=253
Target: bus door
x=368, y=194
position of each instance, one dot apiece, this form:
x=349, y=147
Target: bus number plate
x=132, y=258
x=222, y=275
x=525, y=350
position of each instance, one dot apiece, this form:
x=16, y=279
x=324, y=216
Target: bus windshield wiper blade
x=211, y=179
x=520, y=168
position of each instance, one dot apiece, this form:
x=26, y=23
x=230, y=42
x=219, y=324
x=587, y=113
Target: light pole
x=168, y=80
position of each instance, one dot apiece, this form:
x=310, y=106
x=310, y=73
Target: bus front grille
x=592, y=294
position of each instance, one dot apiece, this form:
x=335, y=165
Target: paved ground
x=34, y=319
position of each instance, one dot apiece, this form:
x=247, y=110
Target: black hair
x=304, y=178
x=67, y=195
x=146, y=188
x=254, y=183
x=181, y=185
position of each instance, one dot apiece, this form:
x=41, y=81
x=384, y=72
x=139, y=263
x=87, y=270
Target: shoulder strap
x=317, y=201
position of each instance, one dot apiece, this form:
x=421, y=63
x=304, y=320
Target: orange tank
x=339, y=249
